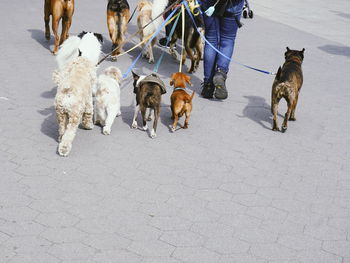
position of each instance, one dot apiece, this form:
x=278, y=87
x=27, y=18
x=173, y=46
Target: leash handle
x=183, y=35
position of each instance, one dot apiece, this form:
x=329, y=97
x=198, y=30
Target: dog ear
x=140, y=5
x=287, y=48
x=135, y=76
x=81, y=34
x=99, y=37
x=172, y=79
x=188, y=80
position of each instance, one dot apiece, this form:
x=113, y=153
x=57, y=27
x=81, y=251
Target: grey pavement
x=226, y=190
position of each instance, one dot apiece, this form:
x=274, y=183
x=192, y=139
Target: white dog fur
x=144, y=18
x=107, y=98
x=87, y=45
x=75, y=79
x=158, y=7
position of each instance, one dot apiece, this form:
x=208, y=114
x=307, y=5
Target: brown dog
x=148, y=90
x=58, y=9
x=118, y=14
x=287, y=85
x=181, y=101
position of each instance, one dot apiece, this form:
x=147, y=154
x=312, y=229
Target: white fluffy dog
x=75, y=79
x=158, y=7
x=107, y=98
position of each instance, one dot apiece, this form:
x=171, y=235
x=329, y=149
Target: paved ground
x=226, y=190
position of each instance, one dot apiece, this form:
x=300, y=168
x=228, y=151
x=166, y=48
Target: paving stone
x=213, y=229
x=227, y=245
x=63, y=235
x=196, y=255
x=182, y=238
x=106, y=241
x=22, y=228
x=112, y=256
x=71, y=251
x=273, y=252
x=27, y=244
x=61, y=219
x=38, y=258
x=151, y=248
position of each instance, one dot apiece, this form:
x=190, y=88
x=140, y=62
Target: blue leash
x=156, y=67
x=218, y=51
x=149, y=41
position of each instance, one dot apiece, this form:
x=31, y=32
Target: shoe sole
x=218, y=95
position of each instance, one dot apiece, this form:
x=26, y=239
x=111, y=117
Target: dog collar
x=179, y=88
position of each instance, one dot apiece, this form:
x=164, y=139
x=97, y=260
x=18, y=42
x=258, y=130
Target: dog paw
x=292, y=119
x=145, y=128
x=153, y=134
x=284, y=129
x=185, y=126
x=173, y=129
x=113, y=58
x=151, y=61
x=275, y=129
x=118, y=114
x=106, y=131
x=134, y=125
x=149, y=118
x=64, y=149
x=88, y=126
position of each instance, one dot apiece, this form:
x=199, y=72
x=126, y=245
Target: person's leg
x=228, y=31
x=211, y=24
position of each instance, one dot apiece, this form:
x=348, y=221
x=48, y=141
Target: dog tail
x=278, y=74
x=68, y=51
x=192, y=95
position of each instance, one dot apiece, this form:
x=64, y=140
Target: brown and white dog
x=107, y=98
x=144, y=18
x=59, y=9
x=148, y=90
x=118, y=14
x=287, y=85
x=181, y=101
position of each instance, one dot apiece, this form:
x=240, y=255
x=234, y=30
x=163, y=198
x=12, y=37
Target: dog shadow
x=39, y=36
x=258, y=111
x=336, y=50
x=49, y=94
x=49, y=126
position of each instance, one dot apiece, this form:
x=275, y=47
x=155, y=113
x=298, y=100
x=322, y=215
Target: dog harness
x=179, y=88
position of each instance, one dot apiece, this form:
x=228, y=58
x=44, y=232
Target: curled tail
x=190, y=100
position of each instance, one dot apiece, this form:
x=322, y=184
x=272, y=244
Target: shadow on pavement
x=342, y=14
x=258, y=110
x=39, y=36
x=336, y=50
x=49, y=94
x=49, y=126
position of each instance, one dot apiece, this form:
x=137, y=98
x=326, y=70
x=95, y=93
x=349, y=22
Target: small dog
x=148, y=90
x=144, y=18
x=192, y=39
x=181, y=101
x=287, y=85
x=107, y=98
x=59, y=9
x=118, y=14
x=75, y=80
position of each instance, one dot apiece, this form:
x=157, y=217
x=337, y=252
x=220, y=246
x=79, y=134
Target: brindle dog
x=287, y=85
x=58, y=9
x=118, y=14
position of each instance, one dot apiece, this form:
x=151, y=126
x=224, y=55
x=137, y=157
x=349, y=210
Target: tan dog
x=181, y=101
x=144, y=17
x=118, y=14
x=287, y=85
x=59, y=9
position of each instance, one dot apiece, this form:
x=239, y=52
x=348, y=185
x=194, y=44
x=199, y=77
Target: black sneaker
x=162, y=43
x=219, y=84
x=207, y=90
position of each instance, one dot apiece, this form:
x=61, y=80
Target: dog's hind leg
x=62, y=123
x=143, y=114
x=65, y=146
x=111, y=24
x=274, y=110
x=55, y=22
x=292, y=115
x=155, y=122
x=87, y=121
x=287, y=115
x=47, y=19
x=149, y=118
x=134, y=122
x=111, y=113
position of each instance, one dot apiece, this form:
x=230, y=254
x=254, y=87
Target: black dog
x=191, y=38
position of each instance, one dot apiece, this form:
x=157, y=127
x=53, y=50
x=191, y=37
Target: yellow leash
x=183, y=35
